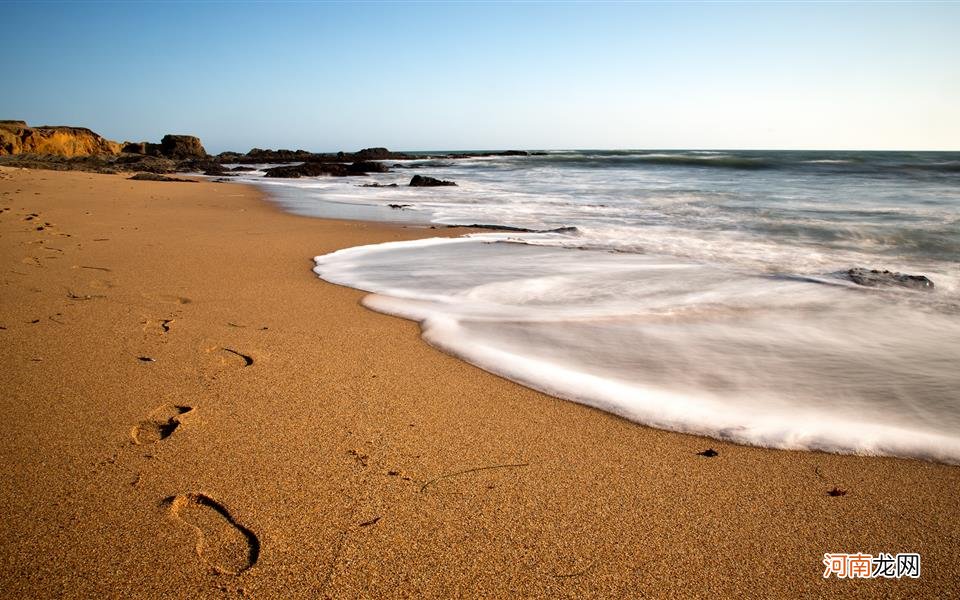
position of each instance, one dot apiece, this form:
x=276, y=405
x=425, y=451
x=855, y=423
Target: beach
x=192, y=412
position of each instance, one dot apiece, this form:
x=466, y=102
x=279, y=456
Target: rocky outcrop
x=258, y=155
x=156, y=177
x=877, y=278
x=16, y=137
x=368, y=167
x=179, y=147
x=374, y=154
x=310, y=169
x=145, y=163
x=423, y=181
x=332, y=169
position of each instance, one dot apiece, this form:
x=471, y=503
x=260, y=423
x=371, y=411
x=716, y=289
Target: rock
x=398, y=206
x=259, y=155
x=423, y=181
x=309, y=169
x=219, y=172
x=181, y=146
x=16, y=137
x=565, y=230
x=242, y=169
x=368, y=167
x=146, y=163
x=372, y=154
x=379, y=185
x=877, y=278
x=136, y=148
x=157, y=177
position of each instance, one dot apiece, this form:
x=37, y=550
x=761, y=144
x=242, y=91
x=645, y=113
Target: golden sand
x=189, y=412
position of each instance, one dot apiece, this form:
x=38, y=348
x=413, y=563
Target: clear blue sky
x=330, y=76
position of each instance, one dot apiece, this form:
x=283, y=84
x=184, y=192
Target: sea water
x=695, y=291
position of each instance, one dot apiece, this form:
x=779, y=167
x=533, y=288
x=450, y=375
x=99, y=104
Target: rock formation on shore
x=16, y=137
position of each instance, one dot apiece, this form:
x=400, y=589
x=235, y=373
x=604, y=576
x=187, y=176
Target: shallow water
x=699, y=292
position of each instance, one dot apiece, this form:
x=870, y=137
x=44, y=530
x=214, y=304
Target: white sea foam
x=680, y=345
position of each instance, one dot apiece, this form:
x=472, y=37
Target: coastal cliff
x=16, y=137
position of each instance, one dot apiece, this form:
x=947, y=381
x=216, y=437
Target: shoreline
x=361, y=460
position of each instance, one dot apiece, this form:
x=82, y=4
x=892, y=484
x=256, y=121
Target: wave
x=716, y=162
x=780, y=362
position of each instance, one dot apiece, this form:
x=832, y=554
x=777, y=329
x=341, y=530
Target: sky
x=326, y=76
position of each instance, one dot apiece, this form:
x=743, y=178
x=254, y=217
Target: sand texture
x=189, y=412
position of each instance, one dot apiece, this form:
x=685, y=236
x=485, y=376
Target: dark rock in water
x=205, y=166
x=379, y=185
x=158, y=177
x=372, y=154
x=258, y=155
x=398, y=206
x=568, y=229
x=422, y=181
x=242, y=169
x=181, y=146
x=310, y=169
x=368, y=167
x=877, y=278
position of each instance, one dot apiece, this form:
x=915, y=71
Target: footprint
x=157, y=326
x=163, y=421
x=225, y=545
x=231, y=357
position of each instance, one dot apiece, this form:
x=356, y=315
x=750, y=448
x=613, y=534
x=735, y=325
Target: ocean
x=697, y=291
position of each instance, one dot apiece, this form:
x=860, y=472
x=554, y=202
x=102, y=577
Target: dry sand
x=350, y=459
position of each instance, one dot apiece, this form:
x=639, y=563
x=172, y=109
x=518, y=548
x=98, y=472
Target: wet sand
x=189, y=411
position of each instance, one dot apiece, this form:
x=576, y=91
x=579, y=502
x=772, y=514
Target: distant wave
x=828, y=163
x=721, y=162
x=681, y=160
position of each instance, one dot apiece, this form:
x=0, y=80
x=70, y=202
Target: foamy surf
x=688, y=346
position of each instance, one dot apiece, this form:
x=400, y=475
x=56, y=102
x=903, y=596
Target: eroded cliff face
x=16, y=137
